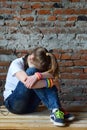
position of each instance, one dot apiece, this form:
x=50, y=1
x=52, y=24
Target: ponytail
x=54, y=65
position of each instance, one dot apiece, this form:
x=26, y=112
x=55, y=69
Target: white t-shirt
x=11, y=80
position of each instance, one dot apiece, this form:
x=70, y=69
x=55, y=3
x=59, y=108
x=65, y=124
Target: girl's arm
x=41, y=84
x=33, y=82
x=46, y=75
x=29, y=81
x=22, y=76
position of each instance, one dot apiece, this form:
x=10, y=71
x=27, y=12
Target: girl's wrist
x=49, y=83
x=38, y=75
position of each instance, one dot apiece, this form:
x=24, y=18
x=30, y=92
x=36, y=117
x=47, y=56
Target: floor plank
x=40, y=121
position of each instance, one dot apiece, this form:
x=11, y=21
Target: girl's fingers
x=30, y=81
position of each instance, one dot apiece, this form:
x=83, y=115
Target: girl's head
x=39, y=59
x=43, y=60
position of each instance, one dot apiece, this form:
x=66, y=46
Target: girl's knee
x=31, y=71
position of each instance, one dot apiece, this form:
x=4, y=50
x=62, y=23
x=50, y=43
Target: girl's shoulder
x=18, y=61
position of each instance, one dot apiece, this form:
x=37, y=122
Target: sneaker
x=57, y=118
x=68, y=116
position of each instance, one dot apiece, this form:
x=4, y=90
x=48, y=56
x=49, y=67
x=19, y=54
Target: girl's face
x=31, y=62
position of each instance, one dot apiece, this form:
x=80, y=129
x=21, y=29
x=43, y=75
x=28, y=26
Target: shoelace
x=59, y=114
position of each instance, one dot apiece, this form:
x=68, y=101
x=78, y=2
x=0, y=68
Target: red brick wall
x=73, y=73
x=43, y=14
x=48, y=18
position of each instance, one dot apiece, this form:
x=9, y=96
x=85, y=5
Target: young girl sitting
x=32, y=79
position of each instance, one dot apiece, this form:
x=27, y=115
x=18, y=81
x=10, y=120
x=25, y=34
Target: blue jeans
x=24, y=100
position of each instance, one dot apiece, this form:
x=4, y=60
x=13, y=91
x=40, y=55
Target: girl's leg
x=49, y=96
x=22, y=100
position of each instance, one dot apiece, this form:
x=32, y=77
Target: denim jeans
x=24, y=100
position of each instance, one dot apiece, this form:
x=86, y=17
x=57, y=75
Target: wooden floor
x=41, y=121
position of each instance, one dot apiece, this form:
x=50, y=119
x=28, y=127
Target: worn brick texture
x=60, y=25
x=72, y=69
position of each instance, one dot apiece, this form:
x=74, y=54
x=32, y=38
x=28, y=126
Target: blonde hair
x=45, y=61
x=54, y=65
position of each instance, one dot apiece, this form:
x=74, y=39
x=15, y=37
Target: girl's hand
x=30, y=81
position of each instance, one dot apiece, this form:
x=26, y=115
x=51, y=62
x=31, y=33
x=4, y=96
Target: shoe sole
x=70, y=118
x=57, y=123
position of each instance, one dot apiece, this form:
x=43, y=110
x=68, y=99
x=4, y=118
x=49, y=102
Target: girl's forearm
x=39, y=84
x=47, y=75
x=48, y=83
x=22, y=76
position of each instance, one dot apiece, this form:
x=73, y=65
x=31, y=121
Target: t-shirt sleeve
x=16, y=66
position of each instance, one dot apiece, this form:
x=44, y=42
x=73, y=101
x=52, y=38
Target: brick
x=5, y=51
x=58, y=11
x=26, y=6
x=48, y=6
x=3, y=0
x=84, y=56
x=65, y=56
x=29, y=18
x=37, y=5
x=18, y=0
x=80, y=63
x=77, y=70
x=14, y=6
x=83, y=76
x=40, y=19
x=83, y=51
x=52, y=18
x=66, y=63
x=18, y=18
x=85, y=70
x=73, y=18
x=76, y=56
x=62, y=69
x=2, y=77
x=3, y=70
x=69, y=24
x=61, y=18
x=4, y=63
x=66, y=51
x=40, y=0
x=25, y=11
x=74, y=0
x=46, y=0
x=6, y=5
x=56, y=0
x=6, y=11
x=83, y=11
x=68, y=70
x=43, y=12
x=69, y=11
x=69, y=76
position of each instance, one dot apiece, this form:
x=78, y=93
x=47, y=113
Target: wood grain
x=39, y=121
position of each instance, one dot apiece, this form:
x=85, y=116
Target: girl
x=32, y=79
